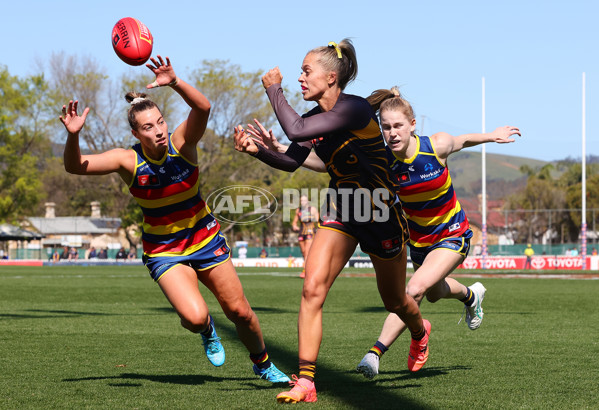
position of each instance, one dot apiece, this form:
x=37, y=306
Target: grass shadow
x=183, y=379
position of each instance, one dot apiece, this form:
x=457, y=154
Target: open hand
x=265, y=138
x=502, y=135
x=244, y=142
x=165, y=74
x=72, y=121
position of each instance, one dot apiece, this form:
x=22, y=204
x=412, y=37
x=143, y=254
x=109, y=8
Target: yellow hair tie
x=337, y=49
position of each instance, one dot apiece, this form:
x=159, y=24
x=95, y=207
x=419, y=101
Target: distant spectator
x=73, y=254
x=594, y=252
x=121, y=254
x=55, y=256
x=65, y=253
x=574, y=252
x=528, y=252
x=243, y=251
x=103, y=254
x=93, y=254
x=132, y=253
x=263, y=253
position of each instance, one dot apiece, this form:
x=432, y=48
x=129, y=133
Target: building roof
x=75, y=225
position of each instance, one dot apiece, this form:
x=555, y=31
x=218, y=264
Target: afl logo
x=242, y=204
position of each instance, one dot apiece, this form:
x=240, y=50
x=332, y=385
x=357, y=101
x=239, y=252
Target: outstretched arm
x=189, y=133
x=267, y=139
x=288, y=161
x=445, y=144
x=116, y=160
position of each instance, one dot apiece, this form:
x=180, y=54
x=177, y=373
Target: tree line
x=32, y=140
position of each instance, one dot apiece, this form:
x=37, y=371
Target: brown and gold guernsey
x=348, y=140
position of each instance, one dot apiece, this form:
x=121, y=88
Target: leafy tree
x=21, y=142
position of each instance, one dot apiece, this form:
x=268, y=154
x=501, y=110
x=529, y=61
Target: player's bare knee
x=396, y=305
x=416, y=291
x=314, y=293
x=240, y=313
x=195, y=322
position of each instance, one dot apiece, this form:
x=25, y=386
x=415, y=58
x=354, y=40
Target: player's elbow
x=74, y=168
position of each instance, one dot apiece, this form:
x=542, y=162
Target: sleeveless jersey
x=177, y=221
x=427, y=196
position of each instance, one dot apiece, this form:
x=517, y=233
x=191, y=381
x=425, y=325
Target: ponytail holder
x=137, y=100
x=337, y=49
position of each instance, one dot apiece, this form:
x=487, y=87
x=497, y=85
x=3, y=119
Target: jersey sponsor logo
x=428, y=167
x=431, y=175
x=211, y=224
x=404, y=177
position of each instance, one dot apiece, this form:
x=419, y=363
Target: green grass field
x=105, y=337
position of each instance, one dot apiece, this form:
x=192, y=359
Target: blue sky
x=531, y=53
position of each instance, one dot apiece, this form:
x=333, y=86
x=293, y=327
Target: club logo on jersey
x=148, y=180
x=428, y=167
x=404, y=177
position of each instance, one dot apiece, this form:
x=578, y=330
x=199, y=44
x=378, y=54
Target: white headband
x=137, y=100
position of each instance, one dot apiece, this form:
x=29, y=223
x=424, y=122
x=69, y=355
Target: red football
x=132, y=41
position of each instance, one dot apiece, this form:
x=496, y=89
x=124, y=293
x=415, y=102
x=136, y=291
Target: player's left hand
x=502, y=135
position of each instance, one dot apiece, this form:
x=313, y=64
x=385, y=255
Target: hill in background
x=503, y=173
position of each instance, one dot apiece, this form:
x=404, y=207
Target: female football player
x=344, y=132
x=182, y=241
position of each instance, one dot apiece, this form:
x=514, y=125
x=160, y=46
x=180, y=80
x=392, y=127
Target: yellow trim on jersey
x=187, y=251
x=427, y=196
x=413, y=157
x=175, y=226
x=160, y=161
x=437, y=220
x=370, y=131
x=435, y=151
x=167, y=271
x=320, y=226
x=195, y=164
x=134, y=168
x=180, y=197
